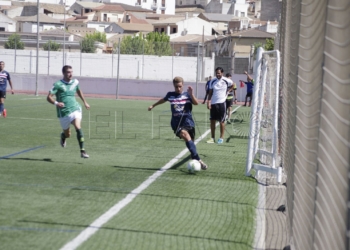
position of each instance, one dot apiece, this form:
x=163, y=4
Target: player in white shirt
x=218, y=89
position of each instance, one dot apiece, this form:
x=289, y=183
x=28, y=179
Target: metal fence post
x=81, y=60
x=117, y=91
x=112, y=63
x=30, y=62
x=143, y=56
x=15, y=54
x=172, y=63
x=37, y=50
x=197, y=76
x=48, y=59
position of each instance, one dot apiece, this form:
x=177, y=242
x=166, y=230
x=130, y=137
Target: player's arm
x=53, y=101
x=80, y=94
x=209, y=98
x=10, y=82
x=190, y=92
x=161, y=101
x=249, y=77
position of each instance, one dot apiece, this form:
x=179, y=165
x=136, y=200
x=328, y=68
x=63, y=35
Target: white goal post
x=263, y=131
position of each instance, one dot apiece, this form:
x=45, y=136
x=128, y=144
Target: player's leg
x=221, y=116
x=80, y=136
x=250, y=99
x=212, y=123
x=65, y=124
x=2, y=102
x=229, y=104
x=246, y=98
x=186, y=136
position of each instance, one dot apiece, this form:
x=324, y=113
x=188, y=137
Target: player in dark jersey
x=182, y=121
x=250, y=87
x=4, y=77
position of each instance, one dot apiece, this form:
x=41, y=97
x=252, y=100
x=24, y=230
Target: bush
x=14, y=42
x=87, y=45
x=98, y=37
x=52, y=46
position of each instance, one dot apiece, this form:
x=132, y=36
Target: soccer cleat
x=211, y=140
x=4, y=113
x=220, y=141
x=63, y=143
x=203, y=165
x=83, y=154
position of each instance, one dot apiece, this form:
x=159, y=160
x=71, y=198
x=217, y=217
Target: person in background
x=230, y=99
x=206, y=89
x=250, y=86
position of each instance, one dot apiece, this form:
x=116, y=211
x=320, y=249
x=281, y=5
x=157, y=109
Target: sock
x=63, y=136
x=80, y=138
x=1, y=108
x=192, y=148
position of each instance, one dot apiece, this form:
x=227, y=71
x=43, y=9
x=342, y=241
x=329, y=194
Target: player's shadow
x=180, y=163
x=33, y=159
x=135, y=168
x=30, y=159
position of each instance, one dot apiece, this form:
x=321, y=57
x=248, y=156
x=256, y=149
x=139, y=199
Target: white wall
x=32, y=27
x=241, y=6
x=98, y=26
x=105, y=65
x=193, y=25
x=7, y=23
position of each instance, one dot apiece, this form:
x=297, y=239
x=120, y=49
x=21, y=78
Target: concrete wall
x=105, y=65
x=107, y=86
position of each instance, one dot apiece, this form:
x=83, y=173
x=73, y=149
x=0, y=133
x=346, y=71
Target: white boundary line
x=113, y=211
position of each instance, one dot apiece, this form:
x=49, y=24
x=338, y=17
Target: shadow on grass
x=42, y=160
x=137, y=231
x=135, y=168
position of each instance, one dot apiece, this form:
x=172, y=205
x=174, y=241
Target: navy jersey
x=181, y=104
x=250, y=86
x=4, y=77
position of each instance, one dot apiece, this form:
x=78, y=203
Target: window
x=162, y=30
x=174, y=30
x=163, y=11
x=180, y=2
x=105, y=17
x=2, y=28
x=156, y=30
x=242, y=14
x=195, y=2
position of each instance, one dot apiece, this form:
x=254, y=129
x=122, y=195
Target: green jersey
x=65, y=92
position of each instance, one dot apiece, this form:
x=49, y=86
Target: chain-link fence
x=315, y=143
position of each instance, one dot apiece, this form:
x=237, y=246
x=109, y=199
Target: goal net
x=263, y=136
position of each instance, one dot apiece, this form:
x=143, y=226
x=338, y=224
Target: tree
x=87, y=45
x=14, y=42
x=153, y=43
x=270, y=44
x=52, y=46
x=98, y=37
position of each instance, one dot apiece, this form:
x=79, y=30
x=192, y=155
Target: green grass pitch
x=48, y=194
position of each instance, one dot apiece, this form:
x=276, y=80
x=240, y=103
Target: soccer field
x=49, y=195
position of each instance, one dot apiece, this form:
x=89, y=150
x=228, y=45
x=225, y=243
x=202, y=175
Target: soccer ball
x=193, y=166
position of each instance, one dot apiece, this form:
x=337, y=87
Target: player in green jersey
x=68, y=109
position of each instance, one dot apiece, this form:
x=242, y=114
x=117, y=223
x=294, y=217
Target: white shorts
x=67, y=120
